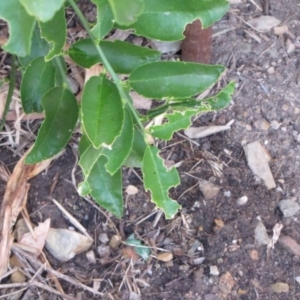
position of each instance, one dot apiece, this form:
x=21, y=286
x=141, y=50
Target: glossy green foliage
x=114, y=133
x=170, y=79
x=104, y=19
x=126, y=11
x=102, y=111
x=166, y=20
x=158, y=180
x=38, y=79
x=55, y=32
x=21, y=27
x=43, y=10
x=122, y=56
x=61, y=110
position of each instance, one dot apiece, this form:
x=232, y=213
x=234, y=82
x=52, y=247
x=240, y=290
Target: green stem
x=12, y=81
x=62, y=72
x=107, y=65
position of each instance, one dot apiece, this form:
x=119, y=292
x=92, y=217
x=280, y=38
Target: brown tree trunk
x=197, y=45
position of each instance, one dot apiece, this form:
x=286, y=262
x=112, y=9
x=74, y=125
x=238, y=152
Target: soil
x=266, y=108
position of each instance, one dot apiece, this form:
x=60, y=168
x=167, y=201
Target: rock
x=17, y=277
x=165, y=256
x=103, y=250
x=134, y=296
x=258, y=158
x=271, y=70
x=254, y=254
x=103, y=238
x=64, y=244
x=226, y=283
x=261, y=235
x=208, y=189
x=242, y=201
x=131, y=190
x=264, y=23
x=280, y=287
x=198, y=260
x=90, y=256
x=115, y=241
x=275, y=124
x=288, y=207
x=290, y=244
x=214, y=271
x=210, y=297
x=262, y=124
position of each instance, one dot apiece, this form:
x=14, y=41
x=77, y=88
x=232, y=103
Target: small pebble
x=271, y=70
x=103, y=238
x=227, y=194
x=115, y=241
x=90, y=256
x=242, y=201
x=198, y=261
x=103, y=250
x=214, y=271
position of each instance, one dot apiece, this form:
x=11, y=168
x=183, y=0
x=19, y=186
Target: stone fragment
x=261, y=235
x=280, y=287
x=214, y=271
x=226, y=283
x=103, y=238
x=262, y=124
x=210, y=297
x=290, y=244
x=288, y=207
x=198, y=260
x=165, y=256
x=90, y=256
x=264, y=23
x=208, y=189
x=258, y=158
x=254, y=254
x=64, y=244
x=103, y=250
x=275, y=124
x=271, y=70
x=115, y=241
x=242, y=201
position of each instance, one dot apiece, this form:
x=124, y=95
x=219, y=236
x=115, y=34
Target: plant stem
x=12, y=81
x=107, y=65
x=62, y=72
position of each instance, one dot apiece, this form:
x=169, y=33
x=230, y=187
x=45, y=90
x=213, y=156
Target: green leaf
x=158, y=180
x=59, y=80
x=123, y=57
x=216, y=102
x=84, y=189
x=89, y=158
x=61, y=115
x=126, y=11
x=102, y=111
x=121, y=147
x=166, y=20
x=183, y=111
x=176, y=121
x=39, y=47
x=106, y=189
x=83, y=144
x=43, y=10
x=21, y=27
x=104, y=19
x=55, y=32
x=135, y=158
x=38, y=79
x=169, y=79
x=143, y=251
